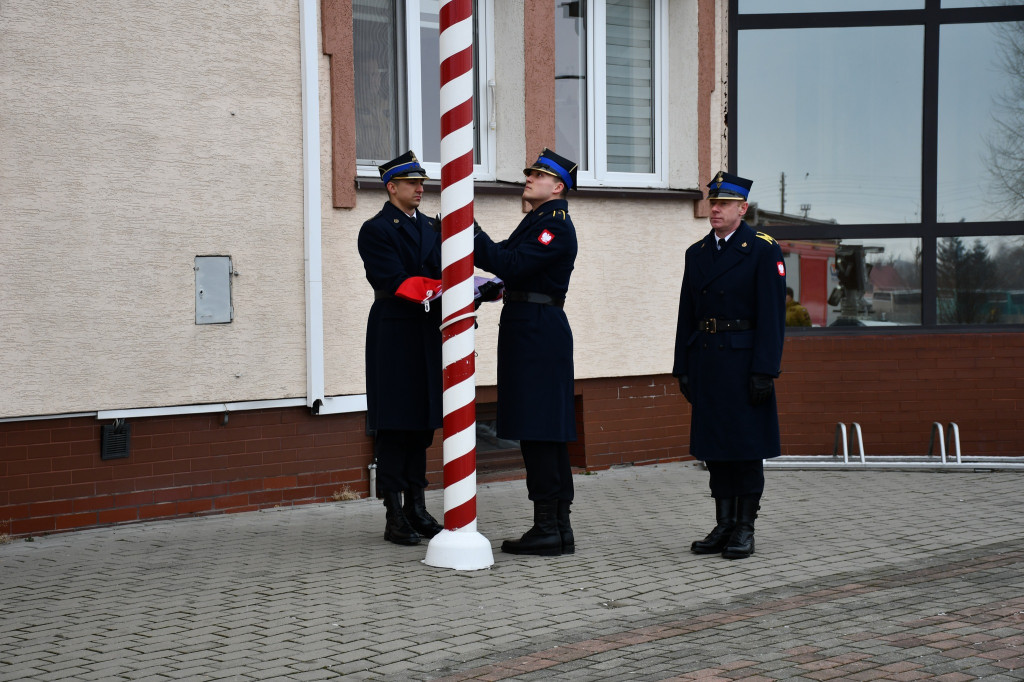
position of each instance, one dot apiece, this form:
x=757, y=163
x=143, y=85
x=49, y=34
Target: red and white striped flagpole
x=459, y=545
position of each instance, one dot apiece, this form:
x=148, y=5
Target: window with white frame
x=609, y=94
x=397, y=83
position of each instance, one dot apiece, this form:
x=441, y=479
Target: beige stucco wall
x=136, y=136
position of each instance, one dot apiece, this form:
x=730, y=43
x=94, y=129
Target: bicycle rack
x=952, y=439
x=852, y=438
x=848, y=443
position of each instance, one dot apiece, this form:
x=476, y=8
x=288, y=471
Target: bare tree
x=1006, y=144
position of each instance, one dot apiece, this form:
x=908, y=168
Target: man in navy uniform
x=535, y=367
x=401, y=252
x=732, y=318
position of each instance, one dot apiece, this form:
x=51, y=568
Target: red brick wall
x=895, y=386
x=633, y=419
x=52, y=477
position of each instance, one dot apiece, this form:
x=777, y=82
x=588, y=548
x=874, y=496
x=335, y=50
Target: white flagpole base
x=464, y=550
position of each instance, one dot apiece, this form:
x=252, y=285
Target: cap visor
x=411, y=175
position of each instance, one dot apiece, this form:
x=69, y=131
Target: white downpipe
x=313, y=222
x=311, y=211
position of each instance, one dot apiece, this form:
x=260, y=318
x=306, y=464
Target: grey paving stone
x=296, y=593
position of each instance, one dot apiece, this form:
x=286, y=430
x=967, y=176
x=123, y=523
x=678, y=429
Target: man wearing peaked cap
x=729, y=187
x=535, y=370
x=401, y=252
x=728, y=350
x=557, y=166
x=405, y=167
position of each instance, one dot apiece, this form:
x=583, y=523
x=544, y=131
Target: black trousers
x=736, y=478
x=401, y=459
x=548, y=473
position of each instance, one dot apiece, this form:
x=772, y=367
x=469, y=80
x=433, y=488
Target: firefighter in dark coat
x=732, y=317
x=401, y=252
x=535, y=366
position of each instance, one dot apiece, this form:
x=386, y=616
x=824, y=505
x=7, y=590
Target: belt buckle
x=712, y=326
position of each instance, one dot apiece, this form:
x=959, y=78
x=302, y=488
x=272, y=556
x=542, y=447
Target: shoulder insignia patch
x=766, y=237
x=545, y=237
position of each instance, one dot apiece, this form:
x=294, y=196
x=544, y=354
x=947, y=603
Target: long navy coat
x=403, y=341
x=747, y=281
x=535, y=370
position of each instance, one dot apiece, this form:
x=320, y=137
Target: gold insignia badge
x=744, y=245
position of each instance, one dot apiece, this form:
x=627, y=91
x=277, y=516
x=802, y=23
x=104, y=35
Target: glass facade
x=788, y=6
x=887, y=153
x=981, y=122
x=818, y=109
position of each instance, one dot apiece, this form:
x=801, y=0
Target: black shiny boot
x=564, y=529
x=419, y=518
x=398, y=529
x=543, y=539
x=741, y=542
x=725, y=515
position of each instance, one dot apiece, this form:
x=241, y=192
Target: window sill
x=514, y=188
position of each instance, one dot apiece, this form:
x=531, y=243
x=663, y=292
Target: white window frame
x=485, y=169
x=598, y=174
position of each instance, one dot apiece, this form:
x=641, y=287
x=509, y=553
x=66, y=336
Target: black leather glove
x=761, y=386
x=684, y=387
x=490, y=291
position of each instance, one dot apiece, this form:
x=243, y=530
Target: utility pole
x=782, y=187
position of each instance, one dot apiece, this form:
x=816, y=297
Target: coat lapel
x=425, y=234
x=408, y=231
x=740, y=245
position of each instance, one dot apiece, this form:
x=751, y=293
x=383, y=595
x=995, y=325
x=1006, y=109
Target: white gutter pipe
x=311, y=212
x=312, y=221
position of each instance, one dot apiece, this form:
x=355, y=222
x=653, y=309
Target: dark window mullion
x=929, y=165
x=731, y=120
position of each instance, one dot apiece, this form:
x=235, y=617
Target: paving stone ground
x=858, y=575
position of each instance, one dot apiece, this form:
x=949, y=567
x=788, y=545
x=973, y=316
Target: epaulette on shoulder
x=766, y=237
x=559, y=213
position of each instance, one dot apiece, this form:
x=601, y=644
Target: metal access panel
x=213, y=290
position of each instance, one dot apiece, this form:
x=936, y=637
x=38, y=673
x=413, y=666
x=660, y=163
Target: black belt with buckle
x=713, y=326
x=532, y=297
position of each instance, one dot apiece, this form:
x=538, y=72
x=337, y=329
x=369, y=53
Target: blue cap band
x=729, y=187
x=562, y=173
x=398, y=169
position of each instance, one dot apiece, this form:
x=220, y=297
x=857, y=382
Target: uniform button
x=704, y=292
